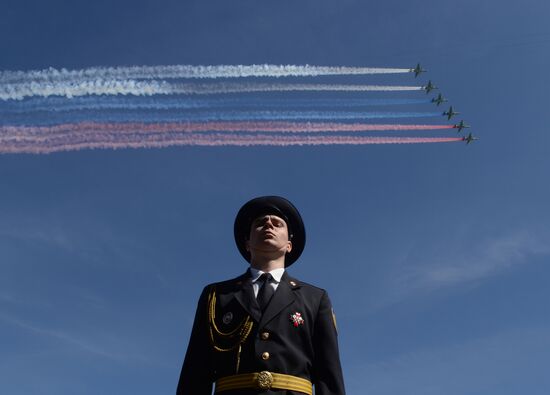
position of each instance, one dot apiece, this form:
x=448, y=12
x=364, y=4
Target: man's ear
x=289, y=247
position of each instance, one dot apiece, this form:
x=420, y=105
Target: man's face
x=269, y=233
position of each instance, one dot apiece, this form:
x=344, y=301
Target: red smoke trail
x=45, y=144
x=283, y=127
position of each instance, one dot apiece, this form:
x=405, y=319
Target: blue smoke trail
x=59, y=104
x=148, y=117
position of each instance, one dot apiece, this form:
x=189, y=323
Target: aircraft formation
x=50, y=110
x=417, y=70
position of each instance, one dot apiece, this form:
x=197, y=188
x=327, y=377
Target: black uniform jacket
x=295, y=335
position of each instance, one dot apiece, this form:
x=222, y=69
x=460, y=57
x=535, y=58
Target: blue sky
x=435, y=256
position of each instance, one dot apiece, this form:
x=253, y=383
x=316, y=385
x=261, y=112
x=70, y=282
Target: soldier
x=264, y=332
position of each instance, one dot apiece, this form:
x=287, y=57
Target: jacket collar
x=242, y=291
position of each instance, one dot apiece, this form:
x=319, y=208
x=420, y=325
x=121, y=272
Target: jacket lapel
x=282, y=298
x=244, y=293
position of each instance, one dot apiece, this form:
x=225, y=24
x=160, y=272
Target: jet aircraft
x=461, y=125
x=469, y=138
x=430, y=87
x=439, y=99
x=417, y=70
x=450, y=113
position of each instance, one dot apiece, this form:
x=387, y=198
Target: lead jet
x=469, y=139
x=417, y=70
x=439, y=99
x=461, y=125
x=430, y=87
x=450, y=113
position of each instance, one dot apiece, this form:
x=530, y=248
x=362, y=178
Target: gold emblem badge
x=265, y=380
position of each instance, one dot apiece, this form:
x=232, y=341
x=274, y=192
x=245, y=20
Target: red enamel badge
x=296, y=319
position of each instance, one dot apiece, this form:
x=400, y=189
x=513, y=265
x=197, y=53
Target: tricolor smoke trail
x=188, y=71
x=149, y=88
x=44, y=111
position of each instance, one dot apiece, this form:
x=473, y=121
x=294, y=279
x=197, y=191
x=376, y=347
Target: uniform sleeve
x=197, y=375
x=328, y=378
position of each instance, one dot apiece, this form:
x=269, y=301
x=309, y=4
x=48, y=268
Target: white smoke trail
x=148, y=88
x=188, y=71
x=69, y=90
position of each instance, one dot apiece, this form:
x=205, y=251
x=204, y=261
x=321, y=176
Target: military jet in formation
x=439, y=99
x=450, y=113
x=469, y=138
x=429, y=87
x=461, y=125
x=417, y=70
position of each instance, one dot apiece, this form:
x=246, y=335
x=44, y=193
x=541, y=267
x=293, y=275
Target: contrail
x=149, y=88
x=10, y=132
x=208, y=116
x=61, y=104
x=189, y=71
x=115, y=141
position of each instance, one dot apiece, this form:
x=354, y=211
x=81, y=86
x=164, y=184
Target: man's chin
x=269, y=248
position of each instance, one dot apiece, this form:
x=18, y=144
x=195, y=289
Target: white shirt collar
x=276, y=273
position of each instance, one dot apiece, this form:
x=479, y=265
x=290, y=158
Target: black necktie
x=266, y=291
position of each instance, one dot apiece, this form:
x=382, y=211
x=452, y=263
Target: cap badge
x=227, y=318
x=296, y=319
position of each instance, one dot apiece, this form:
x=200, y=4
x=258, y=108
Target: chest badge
x=227, y=318
x=296, y=319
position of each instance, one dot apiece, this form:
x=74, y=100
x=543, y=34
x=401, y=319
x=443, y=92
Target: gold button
x=265, y=335
x=265, y=356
